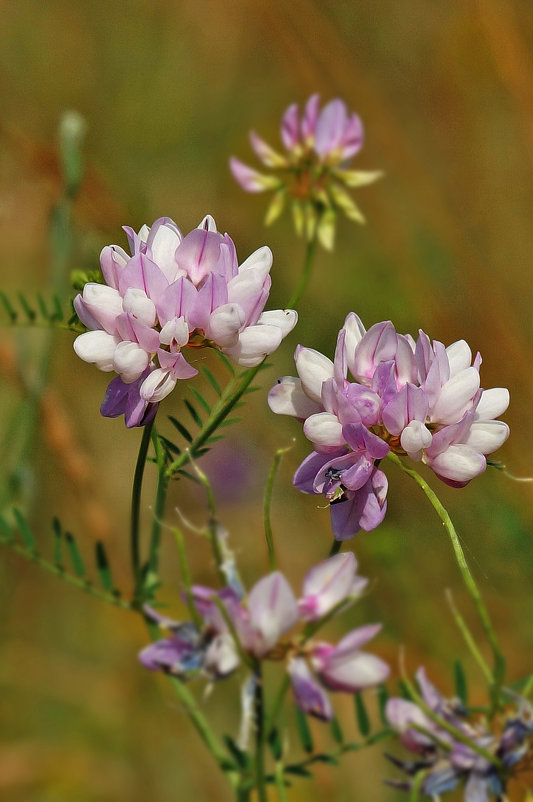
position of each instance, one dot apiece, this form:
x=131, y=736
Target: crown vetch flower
x=262, y=622
x=415, y=398
x=448, y=762
x=313, y=172
x=173, y=293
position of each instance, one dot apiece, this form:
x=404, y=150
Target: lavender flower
x=172, y=293
x=448, y=762
x=319, y=145
x=262, y=622
x=414, y=398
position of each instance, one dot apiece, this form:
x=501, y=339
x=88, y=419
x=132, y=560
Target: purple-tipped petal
x=307, y=693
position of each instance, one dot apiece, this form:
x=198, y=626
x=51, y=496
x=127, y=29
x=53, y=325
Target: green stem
x=499, y=660
x=212, y=524
x=306, y=273
x=229, y=398
x=276, y=707
x=159, y=509
x=136, y=507
x=280, y=782
x=267, y=503
x=468, y=638
x=186, y=576
x=260, y=740
x=335, y=548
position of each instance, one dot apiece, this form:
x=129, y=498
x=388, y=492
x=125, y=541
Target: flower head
x=447, y=761
x=173, y=293
x=413, y=398
x=313, y=172
x=260, y=625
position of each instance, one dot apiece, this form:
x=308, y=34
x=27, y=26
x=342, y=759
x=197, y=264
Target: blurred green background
x=169, y=91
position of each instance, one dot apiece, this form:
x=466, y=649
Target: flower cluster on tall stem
x=412, y=398
x=312, y=173
x=238, y=630
x=174, y=292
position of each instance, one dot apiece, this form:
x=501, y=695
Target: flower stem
x=276, y=707
x=267, y=503
x=159, y=509
x=306, y=273
x=468, y=638
x=260, y=740
x=499, y=660
x=229, y=398
x=186, y=575
x=136, y=506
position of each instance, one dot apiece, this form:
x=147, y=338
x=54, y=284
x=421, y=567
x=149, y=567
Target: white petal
x=157, y=385
x=224, y=324
x=130, y=360
x=285, y=319
x=492, y=403
x=208, y=224
x=273, y=610
x=176, y=329
x=324, y=430
x=414, y=438
x=288, y=398
x=164, y=245
x=313, y=369
x=137, y=303
x=460, y=463
x=455, y=395
x=260, y=260
x=254, y=344
x=459, y=356
x=97, y=347
x=487, y=436
x=355, y=332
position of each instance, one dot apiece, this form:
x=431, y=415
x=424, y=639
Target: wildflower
x=313, y=172
x=173, y=293
x=447, y=761
x=262, y=622
x=413, y=398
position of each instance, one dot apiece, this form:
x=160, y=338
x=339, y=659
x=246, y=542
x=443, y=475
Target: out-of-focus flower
x=313, y=174
x=172, y=293
x=414, y=398
x=263, y=622
x=447, y=761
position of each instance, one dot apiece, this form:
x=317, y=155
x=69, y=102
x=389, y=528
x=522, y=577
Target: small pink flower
x=171, y=293
x=313, y=170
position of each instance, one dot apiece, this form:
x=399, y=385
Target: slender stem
x=499, y=660
x=267, y=503
x=468, y=638
x=276, y=707
x=136, y=507
x=186, y=575
x=159, y=508
x=260, y=740
x=306, y=273
x=212, y=525
x=335, y=548
x=280, y=782
x=231, y=395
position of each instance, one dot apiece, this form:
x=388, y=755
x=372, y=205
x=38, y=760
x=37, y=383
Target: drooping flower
x=414, y=398
x=174, y=293
x=263, y=621
x=313, y=172
x=447, y=761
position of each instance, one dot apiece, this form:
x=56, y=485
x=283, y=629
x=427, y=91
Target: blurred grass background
x=169, y=91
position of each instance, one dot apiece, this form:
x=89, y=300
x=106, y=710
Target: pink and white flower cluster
x=173, y=292
x=319, y=144
x=415, y=398
x=262, y=622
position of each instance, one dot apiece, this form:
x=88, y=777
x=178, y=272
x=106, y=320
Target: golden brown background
x=169, y=91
